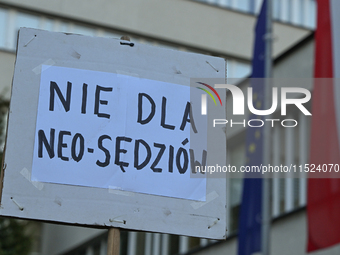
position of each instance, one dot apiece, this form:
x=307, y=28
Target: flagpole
x=266, y=212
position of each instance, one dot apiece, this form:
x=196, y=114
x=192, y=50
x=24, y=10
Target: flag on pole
x=249, y=240
x=323, y=195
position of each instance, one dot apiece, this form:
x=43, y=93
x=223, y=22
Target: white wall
x=288, y=236
x=60, y=238
x=181, y=21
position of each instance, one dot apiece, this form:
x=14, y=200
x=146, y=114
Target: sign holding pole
x=107, y=133
x=113, y=242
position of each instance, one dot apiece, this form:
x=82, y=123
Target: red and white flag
x=323, y=195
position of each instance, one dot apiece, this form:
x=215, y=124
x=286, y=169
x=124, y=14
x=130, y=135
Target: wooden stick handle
x=113, y=241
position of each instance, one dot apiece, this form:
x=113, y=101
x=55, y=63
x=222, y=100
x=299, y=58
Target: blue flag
x=249, y=240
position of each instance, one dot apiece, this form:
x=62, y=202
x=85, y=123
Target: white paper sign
x=114, y=131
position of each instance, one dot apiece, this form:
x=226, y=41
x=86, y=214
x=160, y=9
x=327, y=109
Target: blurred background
x=223, y=28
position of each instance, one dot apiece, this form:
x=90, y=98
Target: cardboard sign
x=106, y=133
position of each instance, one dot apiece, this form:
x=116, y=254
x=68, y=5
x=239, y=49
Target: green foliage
x=13, y=239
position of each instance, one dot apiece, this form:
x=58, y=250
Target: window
x=297, y=12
